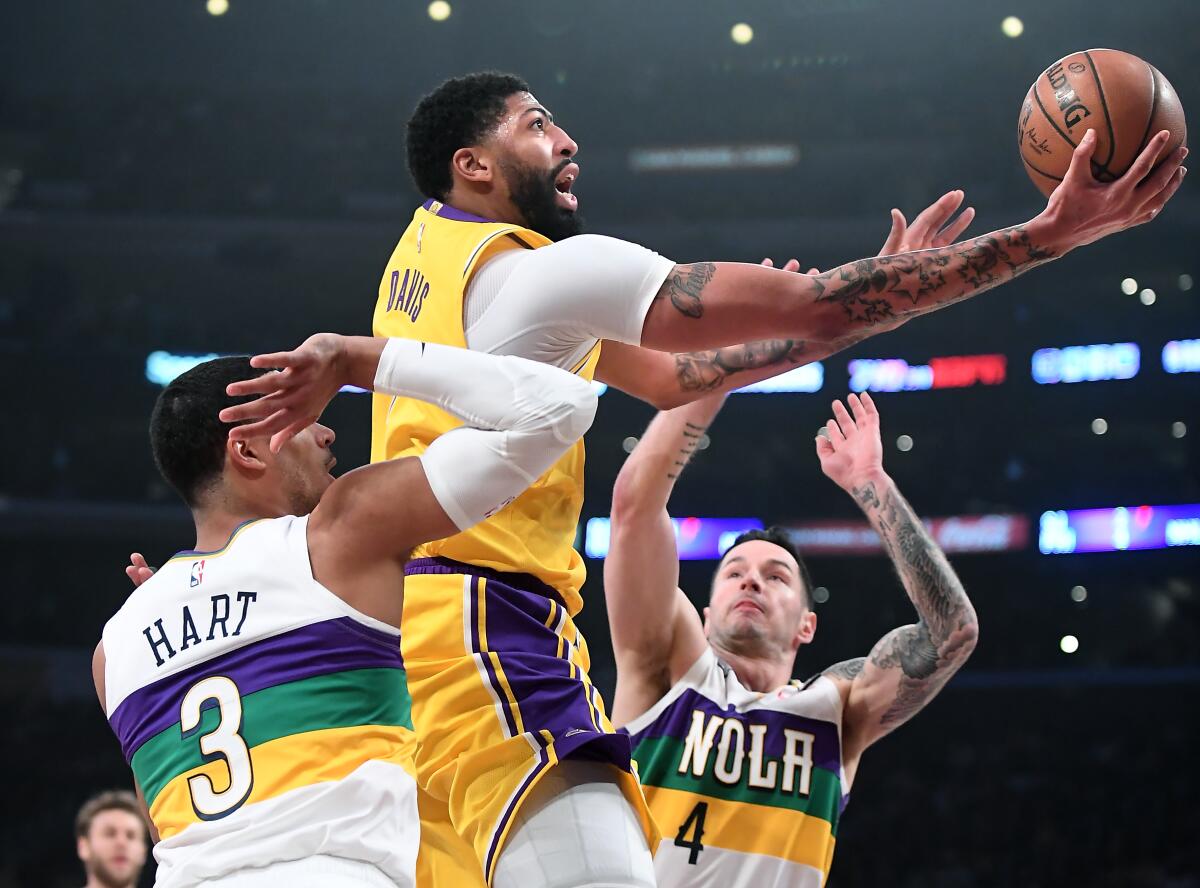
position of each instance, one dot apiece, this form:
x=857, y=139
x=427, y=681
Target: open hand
x=290, y=398
x=853, y=450
x=932, y=228
x=1082, y=210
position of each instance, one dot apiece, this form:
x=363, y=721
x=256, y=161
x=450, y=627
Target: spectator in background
x=110, y=837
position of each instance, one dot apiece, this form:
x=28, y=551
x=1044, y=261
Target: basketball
x=1125, y=99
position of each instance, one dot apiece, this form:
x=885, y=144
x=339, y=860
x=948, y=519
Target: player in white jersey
x=255, y=682
x=746, y=771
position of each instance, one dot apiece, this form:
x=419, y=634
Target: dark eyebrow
x=540, y=110
x=782, y=564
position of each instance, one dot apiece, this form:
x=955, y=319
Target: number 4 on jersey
x=694, y=822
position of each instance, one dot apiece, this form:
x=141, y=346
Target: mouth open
x=563, y=185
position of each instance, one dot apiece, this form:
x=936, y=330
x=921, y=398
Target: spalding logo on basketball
x=1123, y=98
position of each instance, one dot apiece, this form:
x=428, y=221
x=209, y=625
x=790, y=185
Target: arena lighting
x=1064, y=532
x=1086, y=363
x=1178, y=429
x=698, y=539
x=1148, y=296
x=683, y=158
x=1012, y=27
x=808, y=378
x=1129, y=286
x=741, y=33
x=957, y=534
x=1185, y=282
x=1099, y=425
x=217, y=7
x=439, y=10
x=1181, y=356
x=904, y=443
x=1068, y=644
x=896, y=374
x=1078, y=594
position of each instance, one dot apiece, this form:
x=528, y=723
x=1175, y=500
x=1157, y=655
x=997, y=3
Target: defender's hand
x=930, y=229
x=1082, y=210
x=853, y=450
x=290, y=398
x=138, y=570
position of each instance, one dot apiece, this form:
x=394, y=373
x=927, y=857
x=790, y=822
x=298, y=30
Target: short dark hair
x=781, y=538
x=456, y=114
x=187, y=437
x=109, y=800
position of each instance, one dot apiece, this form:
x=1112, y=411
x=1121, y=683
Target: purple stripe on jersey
x=676, y=721
x=448, y=212
x=473, y=616
x=336, y=645
x=489, y=859
x=526, y=583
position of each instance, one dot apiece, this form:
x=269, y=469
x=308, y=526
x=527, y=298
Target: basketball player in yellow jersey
x=512, y=734
x=747, y=772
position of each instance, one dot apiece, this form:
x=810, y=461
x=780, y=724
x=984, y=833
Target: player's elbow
x=628, y=498
x=576, y=403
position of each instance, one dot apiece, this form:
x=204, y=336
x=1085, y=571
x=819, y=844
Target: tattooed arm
x=909, y=665
x=656, y=630
x=707, y=305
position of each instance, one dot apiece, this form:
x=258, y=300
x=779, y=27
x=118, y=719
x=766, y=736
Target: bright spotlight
x=904, y=443
x=1078, y=593
x=1185, y=282
x=217, y=7
x=1099, y=426
x=629, y=443
x=1068, y=644
x=1129, y=286
x=741, y=33
x=1178, y=429
x=1012, y=27
x=1148, y=296
x=439, y=10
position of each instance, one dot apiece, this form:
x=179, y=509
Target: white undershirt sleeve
x=552, y=304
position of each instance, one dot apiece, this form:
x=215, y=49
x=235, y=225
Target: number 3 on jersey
x=694, y=822
x=223, y=741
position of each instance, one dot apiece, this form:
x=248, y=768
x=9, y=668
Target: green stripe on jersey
x=337, y=700
x=658, y=765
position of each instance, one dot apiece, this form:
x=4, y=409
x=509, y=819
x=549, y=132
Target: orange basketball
x=1124, y=99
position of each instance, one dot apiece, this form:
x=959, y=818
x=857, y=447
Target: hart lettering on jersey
x=198, y=622
x=732, y=750
x=408, y=295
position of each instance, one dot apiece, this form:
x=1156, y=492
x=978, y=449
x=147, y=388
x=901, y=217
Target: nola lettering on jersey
x=409, y=295
x=186, y=632
x=740, y=759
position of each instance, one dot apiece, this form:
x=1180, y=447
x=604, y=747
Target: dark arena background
x=180, y=180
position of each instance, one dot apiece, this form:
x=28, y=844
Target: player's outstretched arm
x=909, y=665
x=520, y=417
x=707, y=305
x=656, y=630
x=669, y=380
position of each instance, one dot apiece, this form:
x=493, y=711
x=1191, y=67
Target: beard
x=109, y=879
x=534, y=195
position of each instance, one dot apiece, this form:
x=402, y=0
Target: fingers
x=814, y=271
x=1144, y=162
x=137, y=560
x=858, y=407
x=868, y=404
x=269, y=425
x=280, y=438
x=899, y=226
x=1153, y=208
x=792, y=265
x=277, y=359
x=952, y=232
x=934, y=216
x=259, y=385
x=767, y=262
x=843, y=418
x=1080, y=169
x=255, y=409
x=824, y=447
x=1153, y=185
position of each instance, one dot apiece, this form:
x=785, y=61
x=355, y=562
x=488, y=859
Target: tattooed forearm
x=685, y=287
x=706, y=371
x=692, y=434
x=889, y=289
x=930, y=651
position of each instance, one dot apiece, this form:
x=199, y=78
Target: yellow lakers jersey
x=421, y=297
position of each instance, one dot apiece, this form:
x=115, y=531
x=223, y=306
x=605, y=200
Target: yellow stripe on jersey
x=750, y=829
x=288, y=763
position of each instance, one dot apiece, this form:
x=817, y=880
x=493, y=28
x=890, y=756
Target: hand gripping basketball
x=1082, y=210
